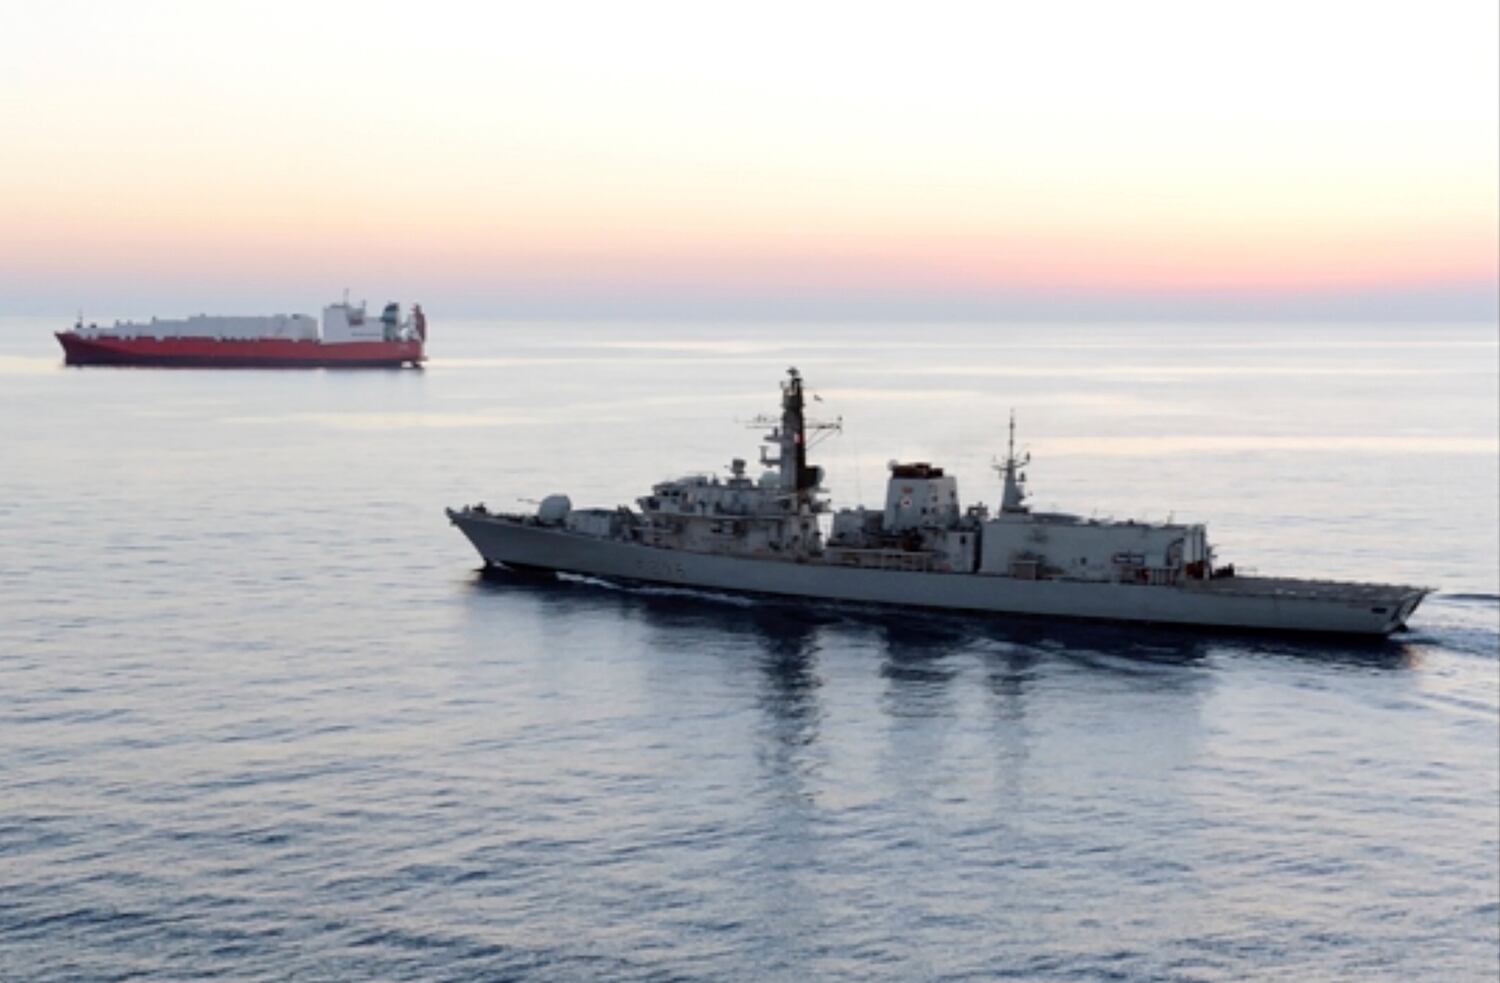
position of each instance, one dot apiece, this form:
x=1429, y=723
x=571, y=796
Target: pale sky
x=1313, y=159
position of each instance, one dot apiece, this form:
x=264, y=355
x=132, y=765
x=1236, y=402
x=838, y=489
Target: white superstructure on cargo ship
x=923, y=548
x=342, y=322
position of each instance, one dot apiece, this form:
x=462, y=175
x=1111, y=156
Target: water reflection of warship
x=776, y=535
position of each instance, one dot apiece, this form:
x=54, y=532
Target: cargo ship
x=775, y=534
x=347, y=338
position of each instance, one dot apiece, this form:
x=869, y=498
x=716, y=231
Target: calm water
x=261, y=719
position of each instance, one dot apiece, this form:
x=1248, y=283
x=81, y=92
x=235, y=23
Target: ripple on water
x=260, y=718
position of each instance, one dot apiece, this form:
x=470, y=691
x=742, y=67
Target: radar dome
x=554, y=509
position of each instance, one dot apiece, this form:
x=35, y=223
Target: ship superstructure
x=347, y=337
x=776, y=534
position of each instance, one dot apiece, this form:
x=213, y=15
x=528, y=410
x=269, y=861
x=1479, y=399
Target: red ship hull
x=253, y=353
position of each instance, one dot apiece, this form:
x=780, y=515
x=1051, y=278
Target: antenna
x=789, y=436
x=1014, y=496
x=859, y=493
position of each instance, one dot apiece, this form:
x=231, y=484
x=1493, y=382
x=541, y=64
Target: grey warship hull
x=1233, y=603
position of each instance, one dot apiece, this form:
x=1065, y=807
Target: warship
x=776, y=534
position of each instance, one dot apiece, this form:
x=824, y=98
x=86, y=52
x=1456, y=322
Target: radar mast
x=1013, y=499
x=796, y=477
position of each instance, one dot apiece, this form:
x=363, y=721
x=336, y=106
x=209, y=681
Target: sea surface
x=262, y=719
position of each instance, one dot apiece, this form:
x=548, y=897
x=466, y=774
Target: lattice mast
x=1013, y=498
